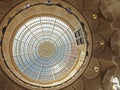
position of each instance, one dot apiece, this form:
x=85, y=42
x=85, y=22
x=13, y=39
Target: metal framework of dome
x=45, y=48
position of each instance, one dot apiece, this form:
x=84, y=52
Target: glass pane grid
x=44, y=49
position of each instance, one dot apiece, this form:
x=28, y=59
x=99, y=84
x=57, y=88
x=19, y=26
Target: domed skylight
x=45, y=49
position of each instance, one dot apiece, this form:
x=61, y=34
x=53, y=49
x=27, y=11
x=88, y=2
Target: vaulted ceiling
x=103, y=17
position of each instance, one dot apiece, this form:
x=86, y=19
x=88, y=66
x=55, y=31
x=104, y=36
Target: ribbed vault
x=102, y=17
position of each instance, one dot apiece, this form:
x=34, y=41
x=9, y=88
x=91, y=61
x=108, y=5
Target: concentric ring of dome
x=45, y=49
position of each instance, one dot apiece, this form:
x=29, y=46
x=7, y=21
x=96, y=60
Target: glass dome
x=45, y=49
x=45, y=44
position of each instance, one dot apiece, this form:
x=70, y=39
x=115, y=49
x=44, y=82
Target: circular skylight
x=46, y=45
x=45, y=49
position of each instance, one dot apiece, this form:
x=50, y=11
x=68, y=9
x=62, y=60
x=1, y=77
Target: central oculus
x=46, y=49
